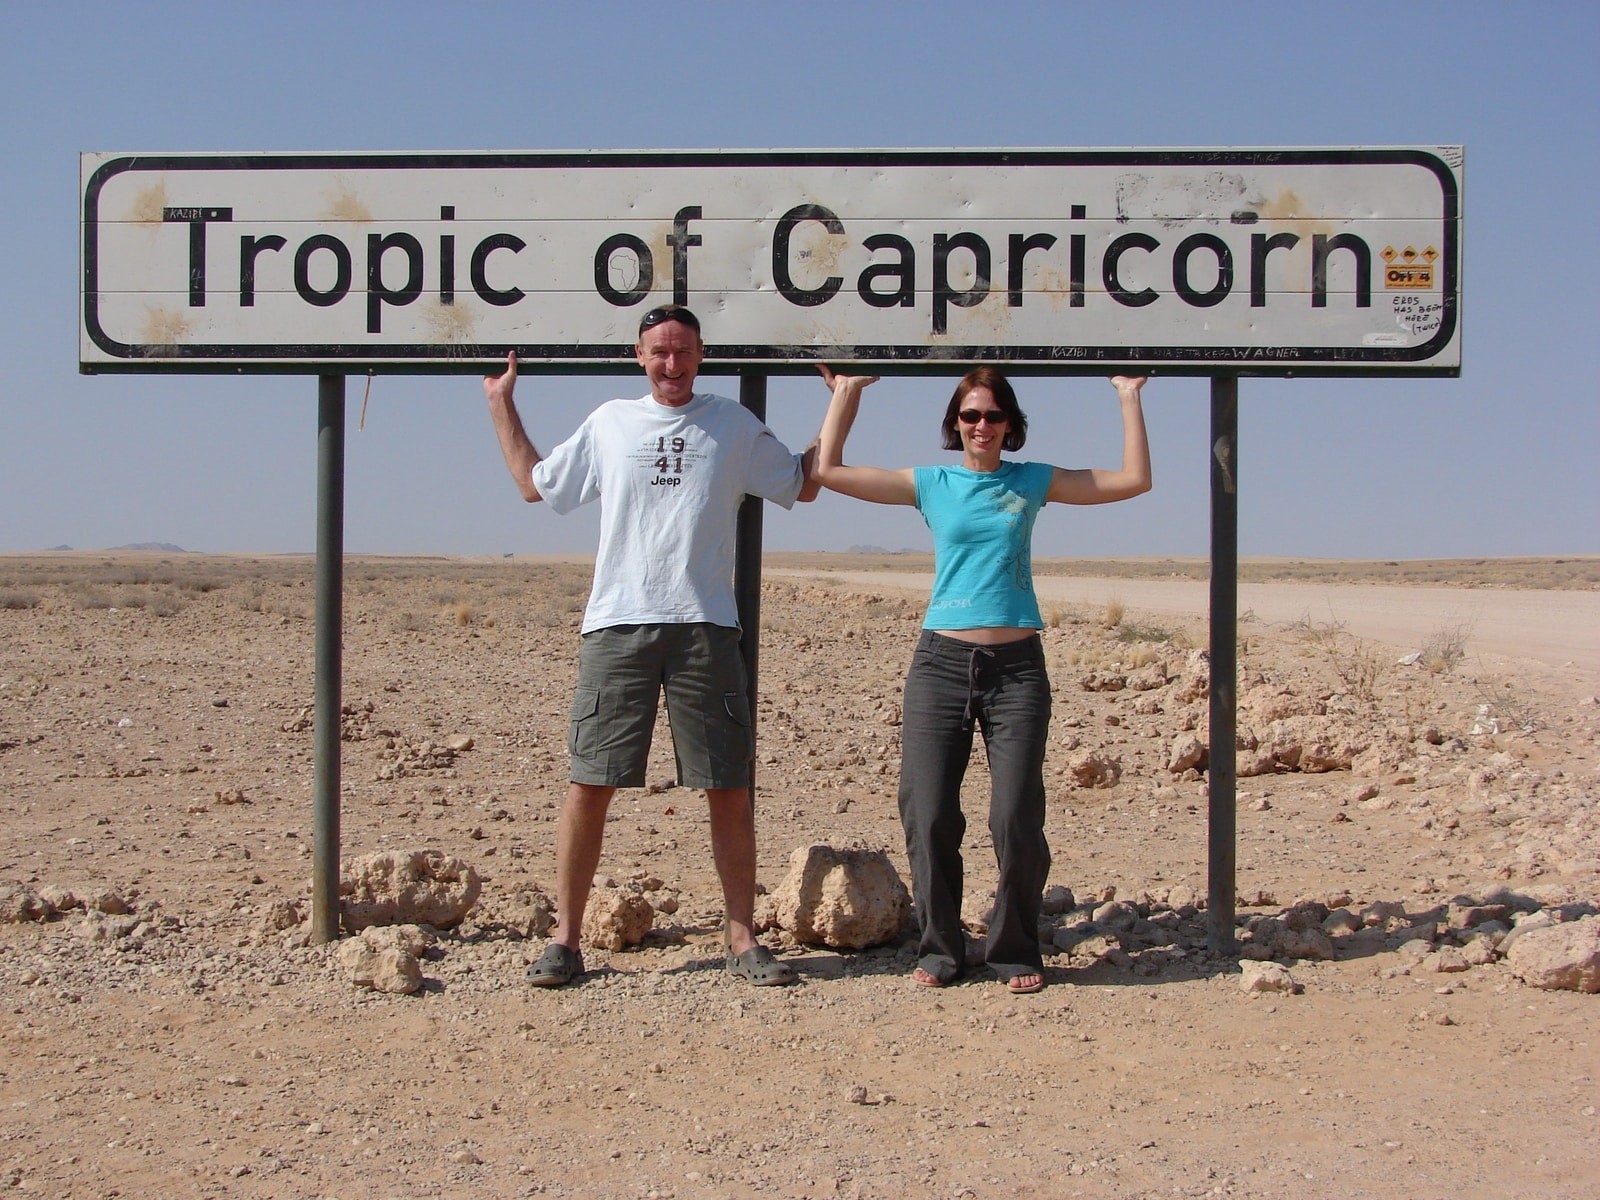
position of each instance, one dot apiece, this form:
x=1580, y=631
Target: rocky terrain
x=1410, y=1010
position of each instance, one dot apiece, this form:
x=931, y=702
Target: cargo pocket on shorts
x=739, y=746
x=583, y=733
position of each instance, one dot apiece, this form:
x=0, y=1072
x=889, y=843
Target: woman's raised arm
x=876, y=484
x=1094, y=486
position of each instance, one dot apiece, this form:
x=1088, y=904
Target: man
x=671, y=470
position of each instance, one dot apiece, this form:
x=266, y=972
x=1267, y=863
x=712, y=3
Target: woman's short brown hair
x=1000, y=388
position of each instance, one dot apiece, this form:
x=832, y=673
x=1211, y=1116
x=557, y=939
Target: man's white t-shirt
x=670, y=482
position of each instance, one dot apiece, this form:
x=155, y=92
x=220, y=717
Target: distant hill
x=164, y=547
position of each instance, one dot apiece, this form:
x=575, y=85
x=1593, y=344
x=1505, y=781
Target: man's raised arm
x=518, y=448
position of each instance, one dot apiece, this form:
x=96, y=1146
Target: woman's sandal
x=1017, y=987
x=757, y=966
x=556, y=967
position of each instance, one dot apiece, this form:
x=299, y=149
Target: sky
x=1500, y=461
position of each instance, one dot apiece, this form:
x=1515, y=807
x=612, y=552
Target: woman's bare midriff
x=993, y=636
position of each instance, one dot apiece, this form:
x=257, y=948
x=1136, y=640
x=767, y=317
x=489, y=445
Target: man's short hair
x=661, y=314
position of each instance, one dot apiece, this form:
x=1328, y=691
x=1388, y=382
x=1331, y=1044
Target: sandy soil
x=156, y=756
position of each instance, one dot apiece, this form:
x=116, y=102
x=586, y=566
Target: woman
x=979, y=659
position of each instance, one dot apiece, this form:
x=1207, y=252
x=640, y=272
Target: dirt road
x=1555, y=628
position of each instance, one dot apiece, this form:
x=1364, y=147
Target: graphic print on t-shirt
x=1017, y=561
x=667, y=458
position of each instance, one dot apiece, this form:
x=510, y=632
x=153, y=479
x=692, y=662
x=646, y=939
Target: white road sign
x=1256, y=261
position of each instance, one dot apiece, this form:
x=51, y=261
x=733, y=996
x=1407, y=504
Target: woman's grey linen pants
x=1006, y=690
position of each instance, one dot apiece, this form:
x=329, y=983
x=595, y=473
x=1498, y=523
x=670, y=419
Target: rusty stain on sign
x=345, y=205
x=449, y=324
x=1055, y=286
x=1291, y=214
x=149, y=203
x=164, y=327
x=991, y=316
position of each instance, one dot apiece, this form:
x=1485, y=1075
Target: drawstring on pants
x=969, y=715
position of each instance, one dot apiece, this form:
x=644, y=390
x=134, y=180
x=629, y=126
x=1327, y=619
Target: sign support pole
x=1221, y=774
x=329, y=644
x=747, y=566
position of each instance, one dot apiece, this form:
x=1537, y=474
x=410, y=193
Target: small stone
x=1257, y=978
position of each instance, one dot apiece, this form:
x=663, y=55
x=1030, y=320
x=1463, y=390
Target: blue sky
x=1500, y=461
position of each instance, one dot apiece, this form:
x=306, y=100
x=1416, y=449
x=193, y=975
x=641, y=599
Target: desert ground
x=167, y=1029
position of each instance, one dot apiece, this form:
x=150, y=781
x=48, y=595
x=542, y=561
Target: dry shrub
x=1142, y=655
x=463, y=613
x=1113, y=613
x=18, y=600
x=1143, y=633
x=1445, y=647
x=90, y=597
x=1059, y=616
x=1356, y=664
x=1510, y=704
x=1358, y=669
x=1325, y=634
x=1189, y=639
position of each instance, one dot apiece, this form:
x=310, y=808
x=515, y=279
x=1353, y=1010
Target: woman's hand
x=1128, y=385
x=852, y=384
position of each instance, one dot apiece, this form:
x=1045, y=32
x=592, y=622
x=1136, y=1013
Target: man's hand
x=498, y=388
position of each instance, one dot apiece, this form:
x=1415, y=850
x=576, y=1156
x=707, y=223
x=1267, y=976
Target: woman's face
x=982, y=423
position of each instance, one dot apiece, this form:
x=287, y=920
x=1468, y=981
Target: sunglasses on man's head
x=669, y=312
x=989, y=416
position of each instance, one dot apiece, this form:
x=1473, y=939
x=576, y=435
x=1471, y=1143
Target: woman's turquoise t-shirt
x=982, y=523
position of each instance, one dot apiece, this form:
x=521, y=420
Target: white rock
x=392, y=970
x=1058, y=900
x=1186, y=752
x=848, y=899
x=1563, y=957
x=1091, y=769
x=418, y=887
x=1261, y=977
x=617, y=917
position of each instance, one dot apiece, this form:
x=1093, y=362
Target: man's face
x=670, y=354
